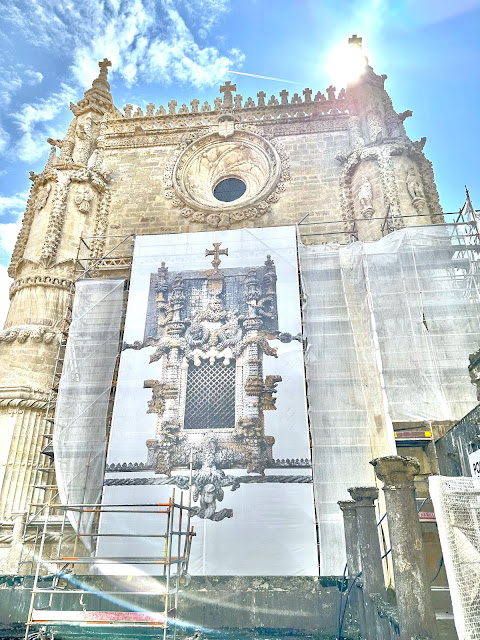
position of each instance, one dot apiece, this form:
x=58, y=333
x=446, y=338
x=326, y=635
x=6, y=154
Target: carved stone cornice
x=36, y=333
x=22, y=397
x=38, y=280
x=124, y=135
x=98, y=179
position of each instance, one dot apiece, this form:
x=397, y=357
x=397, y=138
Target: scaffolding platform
x=50, y=605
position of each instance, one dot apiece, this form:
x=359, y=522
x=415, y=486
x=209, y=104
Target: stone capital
x=363, y=496
x=347, y=506
x=396, y=472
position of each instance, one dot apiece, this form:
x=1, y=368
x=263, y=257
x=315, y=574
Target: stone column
x=370, y=555
x=414, y=600
x=351, y=537
x=354, y=562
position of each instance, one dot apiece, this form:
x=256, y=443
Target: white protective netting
x=457, y=509
x=79, y=439
x=390, y=326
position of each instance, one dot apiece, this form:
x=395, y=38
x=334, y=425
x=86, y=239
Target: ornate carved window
x=211, y=330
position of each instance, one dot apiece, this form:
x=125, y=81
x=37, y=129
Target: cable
x=341, y=594
x=440, y=565
x=340, y=626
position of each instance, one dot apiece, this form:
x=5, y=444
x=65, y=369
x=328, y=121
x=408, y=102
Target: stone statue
x=365, y=198
x=413, y=185
x=415, y=190
x=42, y=197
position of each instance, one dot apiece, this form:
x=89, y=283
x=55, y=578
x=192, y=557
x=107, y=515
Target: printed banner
x=212, y=371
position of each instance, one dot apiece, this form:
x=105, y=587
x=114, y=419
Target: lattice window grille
x=210, y=397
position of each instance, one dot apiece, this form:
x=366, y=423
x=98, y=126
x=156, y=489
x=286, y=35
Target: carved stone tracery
x=196, y=168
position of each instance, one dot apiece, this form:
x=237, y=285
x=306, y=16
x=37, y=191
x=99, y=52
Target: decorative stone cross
x=194, y=104
x=103, y=68
x=284, y=96
x=356, y=40
x=227, y=89
x=171, y=106
x=331, y=92
x=261, y=95
x=308, y=94
x=216, y=252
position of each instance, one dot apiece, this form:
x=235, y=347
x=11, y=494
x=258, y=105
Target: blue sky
x=183, y=49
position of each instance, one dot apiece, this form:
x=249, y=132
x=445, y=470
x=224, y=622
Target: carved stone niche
x=191, y=178
x=211, y=330
x=365, y=190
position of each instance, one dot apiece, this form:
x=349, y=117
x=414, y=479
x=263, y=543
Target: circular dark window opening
x=229, y=189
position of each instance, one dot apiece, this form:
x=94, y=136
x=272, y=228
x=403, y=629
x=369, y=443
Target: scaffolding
x=48, y=604
x=44, y=489
x=389, y=325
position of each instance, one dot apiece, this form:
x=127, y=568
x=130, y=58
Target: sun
x=346, y=62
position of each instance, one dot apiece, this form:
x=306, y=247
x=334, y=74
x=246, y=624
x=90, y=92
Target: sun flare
x=346, y=63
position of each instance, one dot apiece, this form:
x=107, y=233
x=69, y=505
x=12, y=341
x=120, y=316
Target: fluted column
x=414, y=600
x=23, y=425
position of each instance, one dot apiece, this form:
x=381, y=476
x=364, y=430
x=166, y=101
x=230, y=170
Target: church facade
x=342, y=158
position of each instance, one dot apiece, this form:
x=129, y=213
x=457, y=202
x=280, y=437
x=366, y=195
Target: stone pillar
x=414, y=600
x=370, y=555
x=354, y=562
x=351, y=537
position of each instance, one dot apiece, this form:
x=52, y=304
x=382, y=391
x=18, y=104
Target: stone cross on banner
x=216, y=252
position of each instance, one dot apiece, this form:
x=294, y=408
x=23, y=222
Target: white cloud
x=5, y=283
x=8, y=237
x=147, y=40
x=10, y=82
x=13, y=205
x=4, y=139
x=33, y=77
x=45, y=109
x=30, y=119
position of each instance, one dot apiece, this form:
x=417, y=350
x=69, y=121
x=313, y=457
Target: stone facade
x=340, y=156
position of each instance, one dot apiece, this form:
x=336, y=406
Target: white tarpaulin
x=457, y=509
x=390, y=326
x=79, y=436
